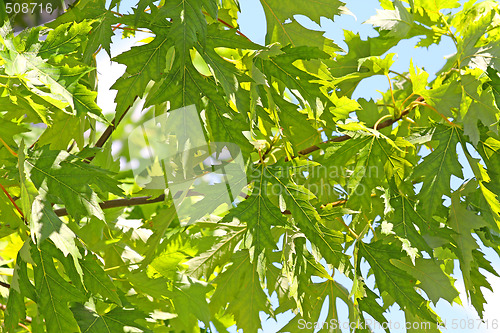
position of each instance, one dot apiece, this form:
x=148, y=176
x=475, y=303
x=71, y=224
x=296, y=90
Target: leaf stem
x=398, y=74
x=355, y=235
x=392, y=91
x=382, y=118
x=14, y=203
x=8, y=148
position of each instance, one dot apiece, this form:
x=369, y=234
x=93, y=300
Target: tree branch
x=383, y=124
x=120, y=203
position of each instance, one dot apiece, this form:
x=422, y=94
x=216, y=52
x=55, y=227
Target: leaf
x=189, y=24
x=325, y=241
x=96, y=280
x=409, y=223
x=144, y=63
x=19, y=288
x=239, y=285
x=61, y=79
x=278, y=12
x=260, y=215
x=478, y=104
x=398, y=21
x=316, y=295
x=190, y=301
x=205, y=263
x=437, y=169
x=45, y=224
x=281, y=68
x=54, y=292
x=9, y=220
x=433, y=280
x=462, y=221
x=116, y=320
x=65, y=39
x=393, y=280
x=54, y=171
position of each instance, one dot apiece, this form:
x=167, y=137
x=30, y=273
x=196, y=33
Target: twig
x=342, y=138
x=120, y=203
x=5, y=285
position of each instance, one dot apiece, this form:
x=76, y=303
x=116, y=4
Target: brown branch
x=342, y=138
x=120, y=203
x=5, y=285
x=107, y=133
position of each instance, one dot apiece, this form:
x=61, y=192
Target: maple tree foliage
x=333, y=183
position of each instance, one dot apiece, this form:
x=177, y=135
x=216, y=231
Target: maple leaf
x=393, y=280
x=278, y=12
x=239, y=285
x=398, y=21
x=53, y=171
x=437, y=168
x=115, y=320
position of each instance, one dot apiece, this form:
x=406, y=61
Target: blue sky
x=252, y=23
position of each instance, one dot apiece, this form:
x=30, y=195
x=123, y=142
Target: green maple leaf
x=116, y=320
x=259, y=213
x=315, y=296
x=398, y=21
x=239, y=285
x=297, y=129
x=437, y=169
x=391, y=279
x=326, y=242
x=63, y=130
x=205, y=263
x=433, y=7
x=144, y=63
x=478, y=104
x=281, y=67
x=19, y=288
x=9, y=220
x=96, y=280
x=462, y=221
x=226, y=125
x=61, y=78
x=278, y=12
x=54, y=291
x=409, y=223
x=45, y=224
x=65, y=178
x=190, y=302
x=64, y=39
x=188, y=23
x=433, y=280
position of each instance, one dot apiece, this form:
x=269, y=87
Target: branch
x=342, y=138
x=5, y=285
x=120, y=203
